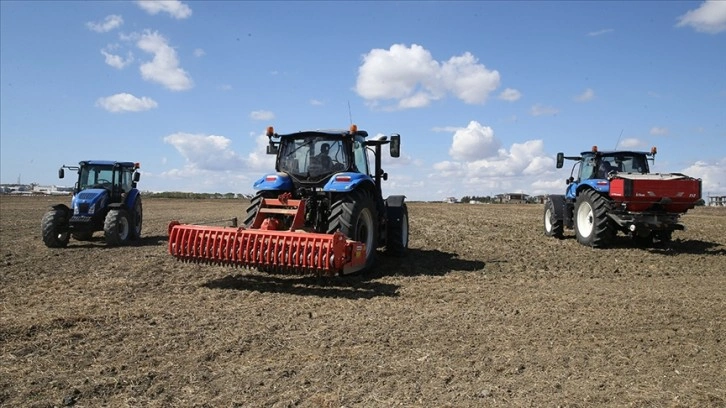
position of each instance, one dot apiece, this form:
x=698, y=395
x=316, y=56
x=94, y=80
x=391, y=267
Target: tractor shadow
x=675, y=247
x=99, y=242
x=415, y=262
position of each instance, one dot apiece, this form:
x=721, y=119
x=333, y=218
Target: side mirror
x=560, y=160
x=395, y=145
x=137, y=176
x=272, y=149
x=61, y=173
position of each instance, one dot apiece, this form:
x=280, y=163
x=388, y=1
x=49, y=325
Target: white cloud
x=124, y=102
x=411, y=76
x=164, y=68
x=474, y=142
x=174, y=8
x=109, y=23
x=712, y=175
x=600, y=32
x=709, y=17
x=540, y=110
x=510, y=95
x=198, y=52
x=316, y=102
x=212, y=153
x=587, y=95
x=114, y=60
x=631, y=143
x=658, y=131
x=262, y=115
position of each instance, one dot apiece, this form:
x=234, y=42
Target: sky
x=484, y=94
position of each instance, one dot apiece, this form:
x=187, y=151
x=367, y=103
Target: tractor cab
x=115, y=177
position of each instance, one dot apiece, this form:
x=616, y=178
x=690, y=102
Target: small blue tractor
x=615, y=192
x=322, y=211
x=105, y=198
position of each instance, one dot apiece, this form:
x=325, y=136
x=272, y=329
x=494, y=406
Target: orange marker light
x=270, y=131
x=653, y=150
x=353, y=128
x=594, y=148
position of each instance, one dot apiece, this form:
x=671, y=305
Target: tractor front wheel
x=355, y=216
x=138, y=218
x=397, y=240
x=553, y=226
x=55, y=228
x=592, y=225
x=117, y=227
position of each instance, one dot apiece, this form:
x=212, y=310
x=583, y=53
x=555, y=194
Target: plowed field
x=484, y=310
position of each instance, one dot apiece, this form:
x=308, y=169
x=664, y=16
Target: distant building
x=717, y=201
x=512, y=198
x=450, y=200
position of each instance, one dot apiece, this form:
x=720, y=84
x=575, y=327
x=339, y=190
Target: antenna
x=618, y=142
x=350, y=115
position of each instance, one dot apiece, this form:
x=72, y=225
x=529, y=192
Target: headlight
x=75, y=209
x=92, y=209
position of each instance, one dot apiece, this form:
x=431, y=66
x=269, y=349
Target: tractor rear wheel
x=255, y=204
x=117, y=227
x=592, y=225
x=355, y=216
x=553, y=227
x=138, y=218
x=397, y=240
x=55, y=228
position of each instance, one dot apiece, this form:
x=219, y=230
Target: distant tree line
x=198, y=196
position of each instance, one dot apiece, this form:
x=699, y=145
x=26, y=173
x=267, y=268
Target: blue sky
x=484, y=94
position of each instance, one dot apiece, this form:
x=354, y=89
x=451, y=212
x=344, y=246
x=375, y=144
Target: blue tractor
x=105, y=198
x=321, y=211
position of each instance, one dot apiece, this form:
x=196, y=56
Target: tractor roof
x=109, y=163
x=613, y=152
x=324, y=132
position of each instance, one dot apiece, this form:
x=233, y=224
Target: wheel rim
x=62, y=236
x=585, y=219
x=123, y=228
x=364, y=230
x=548, y=220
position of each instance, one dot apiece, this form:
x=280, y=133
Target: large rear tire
x=355, y=216
x=553, y=226
x=54, y=227
x=117, y=227
x=592, y=225
x=397, y=240
x=255, y=204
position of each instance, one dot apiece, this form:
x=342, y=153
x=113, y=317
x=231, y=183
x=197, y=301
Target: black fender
x=62, y=207
x=394, y=213
x=395, y=201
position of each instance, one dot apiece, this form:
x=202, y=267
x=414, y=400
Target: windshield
x=312, y=156
x=599, y=166
x=96, y=177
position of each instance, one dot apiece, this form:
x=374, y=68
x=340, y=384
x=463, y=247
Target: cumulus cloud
x=164, y=67
x=510, y=95
x=115, y=60
x=124, y=102
x=414, y=78
x=174, y=8
x=712, y=175
x=709, y=17
x=587, y=95
x=109, y=23
x=262, y=115
x=198, y=52
x=541, y=110
x=213, y=153
x=658, y=131
x=206, y=152
x=474, y=142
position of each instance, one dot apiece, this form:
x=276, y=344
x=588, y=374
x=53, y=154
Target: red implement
x=265, y=247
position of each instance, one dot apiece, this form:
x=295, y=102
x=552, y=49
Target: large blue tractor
x=321, y=211
x=105, y=198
